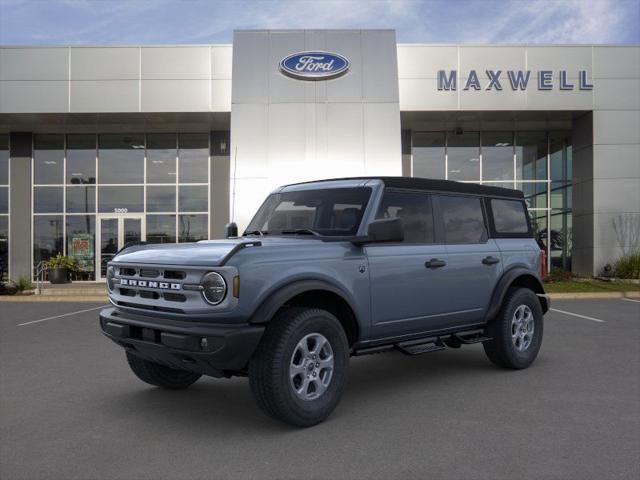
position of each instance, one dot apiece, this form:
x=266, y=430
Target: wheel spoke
x=311, y=366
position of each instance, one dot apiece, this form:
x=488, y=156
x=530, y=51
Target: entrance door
x=114, y=232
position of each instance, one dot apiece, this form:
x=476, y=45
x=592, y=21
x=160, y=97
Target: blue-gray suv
x=326, y=270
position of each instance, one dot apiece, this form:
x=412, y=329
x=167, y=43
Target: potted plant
x=59, y=268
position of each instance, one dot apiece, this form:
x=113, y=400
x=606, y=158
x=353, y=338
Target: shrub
x=23, y=283
x=61, y=261
x=557, y=275
x=628, y=266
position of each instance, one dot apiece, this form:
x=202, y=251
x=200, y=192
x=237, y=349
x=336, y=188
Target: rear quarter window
x=509, y=217
x=463, y=219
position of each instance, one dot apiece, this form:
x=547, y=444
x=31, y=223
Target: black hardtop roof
x=417, y=183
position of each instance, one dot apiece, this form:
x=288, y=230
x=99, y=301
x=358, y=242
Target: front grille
x=174, y=297
x=174, y=275
x=149, y=273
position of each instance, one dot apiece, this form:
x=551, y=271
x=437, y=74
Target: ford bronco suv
x=326, y=270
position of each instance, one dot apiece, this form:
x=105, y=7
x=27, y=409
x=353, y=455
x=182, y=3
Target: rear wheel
x=299, y=370
x=159, y=375
x=516, y=332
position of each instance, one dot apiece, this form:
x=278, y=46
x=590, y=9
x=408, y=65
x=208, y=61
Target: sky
x=119, y=22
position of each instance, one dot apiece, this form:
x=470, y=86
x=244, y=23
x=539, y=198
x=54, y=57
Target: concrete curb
x=592, y=295
x=54, y=298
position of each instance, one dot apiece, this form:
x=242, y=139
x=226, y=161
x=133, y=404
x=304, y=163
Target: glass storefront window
x=193, y=158
x=161, y=158
x=47, y=237
x=4, y=246
x=81, y=241
x=161, y=199
x=428, y=155
x=48, y=159
x=531, y=155
x=4, y=159
x=535, y=193
x=4, y=200
x=121, y=159
x=47, y=200
x=81, y=199
x=120, y=199
x=193, y=228
x=161, y=228
x=463, y=156
x=81, y=159
x=497, y=156
x=193, y=198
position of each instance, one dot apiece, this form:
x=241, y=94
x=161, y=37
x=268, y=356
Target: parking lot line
x=60, y=316
x=630, y=300
x=577, y=315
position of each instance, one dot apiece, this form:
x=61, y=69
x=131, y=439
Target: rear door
x=406, y=295
x=474, y=264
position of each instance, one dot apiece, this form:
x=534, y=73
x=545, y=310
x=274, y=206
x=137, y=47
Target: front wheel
x=299, y=370
x=516, y=332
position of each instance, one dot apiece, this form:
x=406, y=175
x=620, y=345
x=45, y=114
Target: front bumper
x=209, y=349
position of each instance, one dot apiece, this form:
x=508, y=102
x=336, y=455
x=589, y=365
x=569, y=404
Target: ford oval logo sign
x=314, y=65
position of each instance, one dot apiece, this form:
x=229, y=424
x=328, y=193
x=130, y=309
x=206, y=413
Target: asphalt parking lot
x=71, y=409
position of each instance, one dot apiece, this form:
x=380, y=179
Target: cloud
x=213, y=21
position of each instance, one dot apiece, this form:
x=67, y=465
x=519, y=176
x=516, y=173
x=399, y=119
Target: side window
x=415, y=212
x=463, y=219
x=509, y=216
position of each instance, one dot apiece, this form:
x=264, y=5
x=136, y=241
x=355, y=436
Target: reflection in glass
x=112, y=198
x=193, y=157
x=161, y=199
x=560, y=155
x=4, y=200
x=81, y=245
x=193, y=228
x=497, y=156
x=47, y=237
x=47, y=200
x=161, y=158
x=48, y=159
x=531, y=155
x=121, y=158
x=4, y=247
x=108, y=242
x=132, y=230
x=428, y=155
x=81, y=199
x=161, y=228
x=463, y=156
x=539, y=226
x=81, y=159
x=4, y=159
x=193, y=198
x=535, y=193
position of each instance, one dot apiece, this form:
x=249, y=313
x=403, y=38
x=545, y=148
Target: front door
x=114, y=232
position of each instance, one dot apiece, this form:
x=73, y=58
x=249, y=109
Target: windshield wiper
x=260, y=233
x=301, y=231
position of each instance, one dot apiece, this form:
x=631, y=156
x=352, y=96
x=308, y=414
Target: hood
x=204, y=253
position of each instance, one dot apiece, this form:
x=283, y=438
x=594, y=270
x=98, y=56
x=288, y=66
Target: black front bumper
x=210, y=349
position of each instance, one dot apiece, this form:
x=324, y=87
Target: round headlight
x=214, y=288
x=110, y=274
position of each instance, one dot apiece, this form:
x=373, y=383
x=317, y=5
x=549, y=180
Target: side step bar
x=428, y=344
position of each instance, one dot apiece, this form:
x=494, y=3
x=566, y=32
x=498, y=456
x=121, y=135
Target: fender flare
x=278, y=297
x=507, y=279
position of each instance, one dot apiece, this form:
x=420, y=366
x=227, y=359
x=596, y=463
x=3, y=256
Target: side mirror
x=384, y=230
x=231, y=230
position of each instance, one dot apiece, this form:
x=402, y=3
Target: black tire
x=501, y=349
x=269, y=374
x=159, y=375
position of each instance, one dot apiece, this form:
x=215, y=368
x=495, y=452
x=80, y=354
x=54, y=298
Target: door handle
x=435, y=263
x=490, y=260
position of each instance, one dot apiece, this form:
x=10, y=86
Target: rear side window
x=463, y=219
x=509, y=216
x=415, y=212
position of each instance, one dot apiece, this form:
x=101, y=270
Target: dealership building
x=104, y=145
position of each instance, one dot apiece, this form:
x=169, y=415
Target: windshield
x=326, y=212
